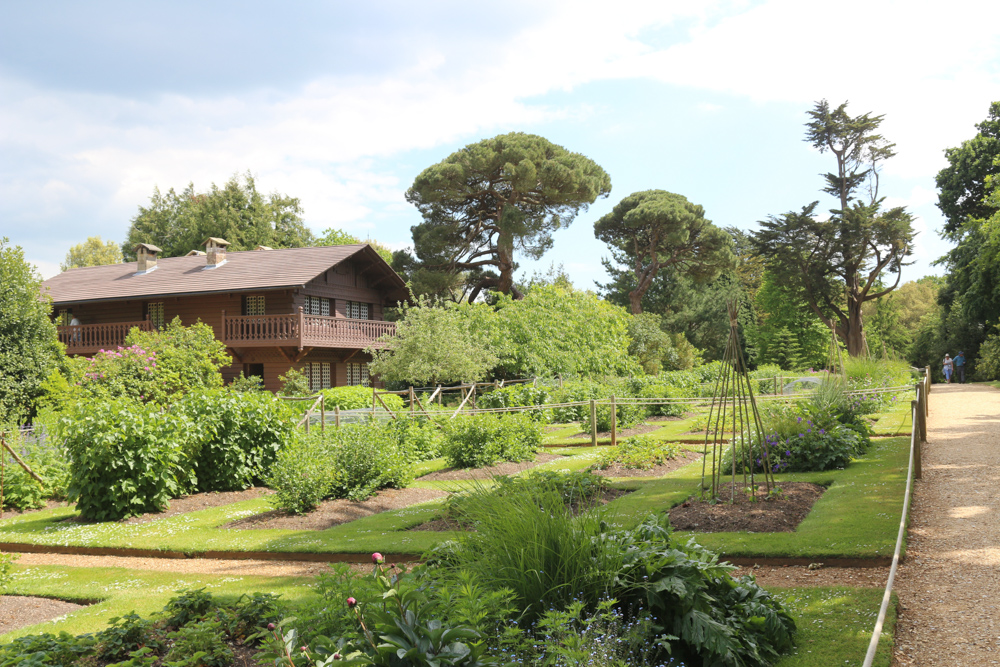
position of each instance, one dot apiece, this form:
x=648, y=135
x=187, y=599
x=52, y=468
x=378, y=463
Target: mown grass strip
x=834, y=626
x=116, y=591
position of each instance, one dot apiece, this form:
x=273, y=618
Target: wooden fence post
x=914, y=410
x=614, y=423
x=336, y=416
x=411, y=401
x=593, y=423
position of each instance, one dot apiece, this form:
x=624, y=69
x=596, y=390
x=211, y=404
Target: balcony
x=301, y=330
x=92, y=338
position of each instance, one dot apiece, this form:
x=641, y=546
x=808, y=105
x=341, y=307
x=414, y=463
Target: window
x=357, y=374
x=318, y=373
x=154, y=311
x=64, y=318
x=356, y=310
x=253, y=305
x=316, y=305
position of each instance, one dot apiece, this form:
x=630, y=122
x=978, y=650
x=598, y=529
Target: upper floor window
x=154, y=311
x=316, y=305
x=253, y=305
x=356, y=310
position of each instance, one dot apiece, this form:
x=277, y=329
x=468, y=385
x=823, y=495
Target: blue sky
x=342, y=104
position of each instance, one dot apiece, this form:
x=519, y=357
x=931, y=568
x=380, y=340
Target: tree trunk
x=635, y=301
x=505, y=262
x=855, y=338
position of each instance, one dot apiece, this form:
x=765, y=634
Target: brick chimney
x=146, y=254
x=215, y=248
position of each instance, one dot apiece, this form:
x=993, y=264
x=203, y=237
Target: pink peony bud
x=336, y=656
x=378, y=558
x=270, y=626
x=351, y=602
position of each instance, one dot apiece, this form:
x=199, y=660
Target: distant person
x=74, y=322
x=948, y=368
x=959, y=362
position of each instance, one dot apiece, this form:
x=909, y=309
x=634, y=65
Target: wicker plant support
x=733, y=415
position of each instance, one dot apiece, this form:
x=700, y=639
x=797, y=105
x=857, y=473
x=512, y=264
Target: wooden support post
x=336, y=416
x=614, y=423
x=914, y=410
x=302, y=327
x=775, y=385
x=593, y=423
x=322, y=412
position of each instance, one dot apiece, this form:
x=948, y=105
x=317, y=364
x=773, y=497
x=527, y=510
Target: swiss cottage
x=313, y=309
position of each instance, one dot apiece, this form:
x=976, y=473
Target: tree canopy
x=963, y=186
x=847, y=254
x=333, y=236
x=492, y=199
x=656, y=229
x=435, y=345
x=237, y=212
x=92, y=252
x=29, y=349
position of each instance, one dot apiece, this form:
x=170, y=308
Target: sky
x=342, y=104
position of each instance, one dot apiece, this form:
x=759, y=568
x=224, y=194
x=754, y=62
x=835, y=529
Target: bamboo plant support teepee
x=734, y=415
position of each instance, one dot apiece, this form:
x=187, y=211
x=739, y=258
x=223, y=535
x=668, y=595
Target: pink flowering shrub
x=125, y=371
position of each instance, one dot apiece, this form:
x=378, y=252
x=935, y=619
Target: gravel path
x=949, y=586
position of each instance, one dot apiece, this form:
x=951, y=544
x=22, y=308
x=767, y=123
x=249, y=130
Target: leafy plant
x=518, y=396
x=641, y=451
x=199, y=645
x=302, y=474
x=125, y=634
x=188, y=605
x=294, y=383
x=482, y=440
x=46, y=649
x=124, y=458
x=244, y=383
x=237, y=438
x=357, y=397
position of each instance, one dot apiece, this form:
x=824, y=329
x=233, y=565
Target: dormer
x=146, y=255
x=215, y=249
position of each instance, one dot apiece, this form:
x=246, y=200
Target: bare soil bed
x=446, y=523
x=18, y=611
x=505, y=468
x=332, y=513
x=678, y=461
x=777, y=514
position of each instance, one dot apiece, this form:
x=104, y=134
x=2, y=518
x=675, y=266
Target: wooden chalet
x=313, y=309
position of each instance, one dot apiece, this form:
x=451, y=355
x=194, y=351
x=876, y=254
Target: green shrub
x=302, y=474
x=21, y=491
x=573, y=392
x=358, y=397
x=483, y=440
x=642, y=452
x=671, y=409
x=61, y=649
x=243, y=383
x=353, y=462
x=578, y=489
x=518, y=396
x=237, y=438
x=124, y=458
x=421, y=437
x=628, y=415
x=366, y=458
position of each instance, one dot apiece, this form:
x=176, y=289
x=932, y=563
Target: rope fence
x=919, y=409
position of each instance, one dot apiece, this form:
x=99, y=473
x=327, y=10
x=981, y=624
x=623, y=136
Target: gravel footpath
x=949, y=585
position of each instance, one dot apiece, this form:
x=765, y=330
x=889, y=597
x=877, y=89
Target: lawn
x=856, y=518
x=834, y=624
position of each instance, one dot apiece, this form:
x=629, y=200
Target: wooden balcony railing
x=301, y=330
x=91, y=338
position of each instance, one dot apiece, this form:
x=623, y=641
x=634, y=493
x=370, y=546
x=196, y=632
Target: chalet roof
x=243, y=271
